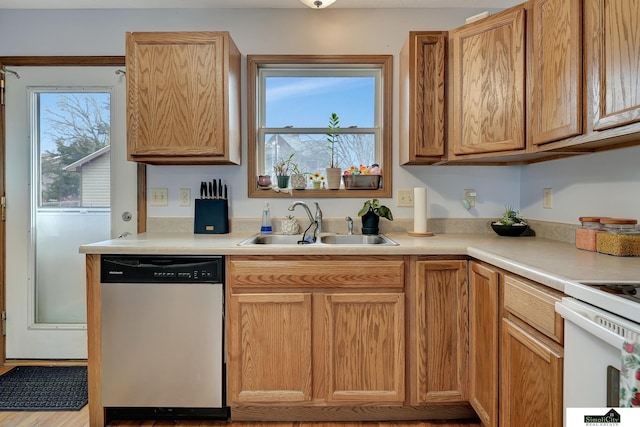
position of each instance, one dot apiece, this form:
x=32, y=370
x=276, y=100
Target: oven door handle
x=569, y=310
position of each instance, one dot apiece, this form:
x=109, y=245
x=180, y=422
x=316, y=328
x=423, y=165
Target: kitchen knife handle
x=203, y=190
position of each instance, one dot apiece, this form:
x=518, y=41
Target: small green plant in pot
x=282, y=169
x=371, y=212
x=510, y=224
x=334, y=173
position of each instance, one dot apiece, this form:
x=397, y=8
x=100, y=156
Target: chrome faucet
x=349, y=225
x=318, y=218
x=312, y=221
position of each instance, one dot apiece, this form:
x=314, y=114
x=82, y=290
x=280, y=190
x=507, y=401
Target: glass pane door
x=71, y=195
x=65, y=156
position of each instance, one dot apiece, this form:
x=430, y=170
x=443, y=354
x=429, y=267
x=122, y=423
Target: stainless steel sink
x=357, y=239
x=272, y=239
x=330, y=239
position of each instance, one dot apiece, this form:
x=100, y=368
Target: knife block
x=211, y=216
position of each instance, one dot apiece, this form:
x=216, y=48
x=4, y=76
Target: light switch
x=159, y=197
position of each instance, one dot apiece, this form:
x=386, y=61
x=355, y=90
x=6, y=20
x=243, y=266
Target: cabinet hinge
x=3, y=205
x=4, y=323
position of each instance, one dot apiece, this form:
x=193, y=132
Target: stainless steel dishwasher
x=163, y=337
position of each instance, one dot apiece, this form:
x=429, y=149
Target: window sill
x=310, y=193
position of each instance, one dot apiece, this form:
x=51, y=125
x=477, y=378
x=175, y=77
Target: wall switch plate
x=547, y=198
x=159, y=197
x=185, y=197
x=405, y=197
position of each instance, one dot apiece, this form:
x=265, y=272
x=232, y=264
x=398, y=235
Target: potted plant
x=333, y=173
x=281, y=170
x=510, y=224
x=371, y=212
x=298, y=178
x=289, y=225
x=317, y=180
x=363, y=177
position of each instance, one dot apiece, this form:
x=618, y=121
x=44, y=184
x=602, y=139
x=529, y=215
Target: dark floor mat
x=44, y=388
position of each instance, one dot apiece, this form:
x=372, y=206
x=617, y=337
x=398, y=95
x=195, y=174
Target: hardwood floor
x=81, y=419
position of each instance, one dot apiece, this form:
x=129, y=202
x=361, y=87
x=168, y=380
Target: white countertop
x=544, y=261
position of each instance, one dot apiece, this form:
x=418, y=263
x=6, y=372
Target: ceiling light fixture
x=318, y=4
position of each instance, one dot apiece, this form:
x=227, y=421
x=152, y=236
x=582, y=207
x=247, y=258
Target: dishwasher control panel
x=161, y=269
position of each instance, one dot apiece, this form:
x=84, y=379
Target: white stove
x=599, y=317
x=619, y=297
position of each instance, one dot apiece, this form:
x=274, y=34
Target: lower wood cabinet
x=515, y=350
x=272, y=335
x=348, y=338
x=531, y=354
x=315, y=331
x=439, y=313
x=364, y=348
x=484, y=341
x=530, y=379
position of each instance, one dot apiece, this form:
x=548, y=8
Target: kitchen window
x=291, y=99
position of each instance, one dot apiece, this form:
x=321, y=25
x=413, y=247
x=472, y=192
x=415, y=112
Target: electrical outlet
x=405, y=197
x=547, y=198
x=159, y=196
x=185, y=197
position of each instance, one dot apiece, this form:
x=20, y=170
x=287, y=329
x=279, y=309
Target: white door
x=67, y=183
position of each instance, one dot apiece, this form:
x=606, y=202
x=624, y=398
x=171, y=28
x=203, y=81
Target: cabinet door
x=488, y=71
x=557, y=70
x=269, y=340
x=612, y=43
x=422, y=98
x=439, y=355
x=531, y=380
x=365, y=347
x=484, y=342
x=178, y=102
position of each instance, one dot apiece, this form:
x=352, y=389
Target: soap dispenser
x=266, y=220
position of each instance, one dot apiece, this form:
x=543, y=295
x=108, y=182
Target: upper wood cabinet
x=422, y=98
x=183, y=98
x=556, y=68
x=613, y=61
x=487, y=83
x=440, y=319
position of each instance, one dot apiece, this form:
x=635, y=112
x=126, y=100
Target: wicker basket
x=361, y=182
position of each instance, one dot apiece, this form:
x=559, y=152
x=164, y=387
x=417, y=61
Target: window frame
x=257, y=62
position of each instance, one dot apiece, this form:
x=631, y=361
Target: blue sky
x=309, y=101
x=48, y=101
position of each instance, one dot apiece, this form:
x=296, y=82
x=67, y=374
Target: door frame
x=51, y=61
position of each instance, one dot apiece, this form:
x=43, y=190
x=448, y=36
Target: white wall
x=605, y=184
x=340, y=31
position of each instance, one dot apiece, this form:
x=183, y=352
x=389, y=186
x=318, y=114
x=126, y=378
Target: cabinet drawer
x=335, y=272
x=535, y=304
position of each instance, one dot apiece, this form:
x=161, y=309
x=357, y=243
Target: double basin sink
x=329, y=239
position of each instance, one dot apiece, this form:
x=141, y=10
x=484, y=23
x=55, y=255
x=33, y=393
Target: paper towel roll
x=419, y=210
